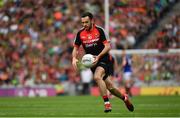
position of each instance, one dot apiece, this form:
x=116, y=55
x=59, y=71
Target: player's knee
x=97, y=78
x=109, y=86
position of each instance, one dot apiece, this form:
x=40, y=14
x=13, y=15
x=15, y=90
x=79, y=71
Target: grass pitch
x=88, y=106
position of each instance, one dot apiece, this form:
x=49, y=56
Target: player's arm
x=74, y=57
x=123, y=61
x=77, y=43
x=123, y=58
x=105, y=40
x=106, y=49
x=116, y=66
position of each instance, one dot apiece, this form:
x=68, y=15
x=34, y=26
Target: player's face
x=86, y=22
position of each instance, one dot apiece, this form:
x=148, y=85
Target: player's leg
x=98, y=77
x=112, y=88
x=117, y=93
x=109, y=93
x=128, y=87
x=128, y=83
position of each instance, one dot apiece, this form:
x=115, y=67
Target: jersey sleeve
x=77, y=41
x=103, y=36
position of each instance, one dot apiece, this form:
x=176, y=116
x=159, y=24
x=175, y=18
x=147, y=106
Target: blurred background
x=36, y=41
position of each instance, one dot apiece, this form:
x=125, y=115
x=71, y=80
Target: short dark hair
x=89, y=14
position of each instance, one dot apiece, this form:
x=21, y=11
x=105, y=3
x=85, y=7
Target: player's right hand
x=74, y=63
x=96, y=60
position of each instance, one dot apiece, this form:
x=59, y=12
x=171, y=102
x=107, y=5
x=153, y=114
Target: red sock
x=105, y=98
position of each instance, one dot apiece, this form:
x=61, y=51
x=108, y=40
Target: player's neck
x=90, y=28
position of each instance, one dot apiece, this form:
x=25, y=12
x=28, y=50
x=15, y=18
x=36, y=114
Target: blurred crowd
x=168, y=36
x=148, y=68
x=36, y=36
x=132, y=21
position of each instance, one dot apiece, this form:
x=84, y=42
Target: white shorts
x=127, y=76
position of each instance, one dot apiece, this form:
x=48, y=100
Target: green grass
x=88, y=106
